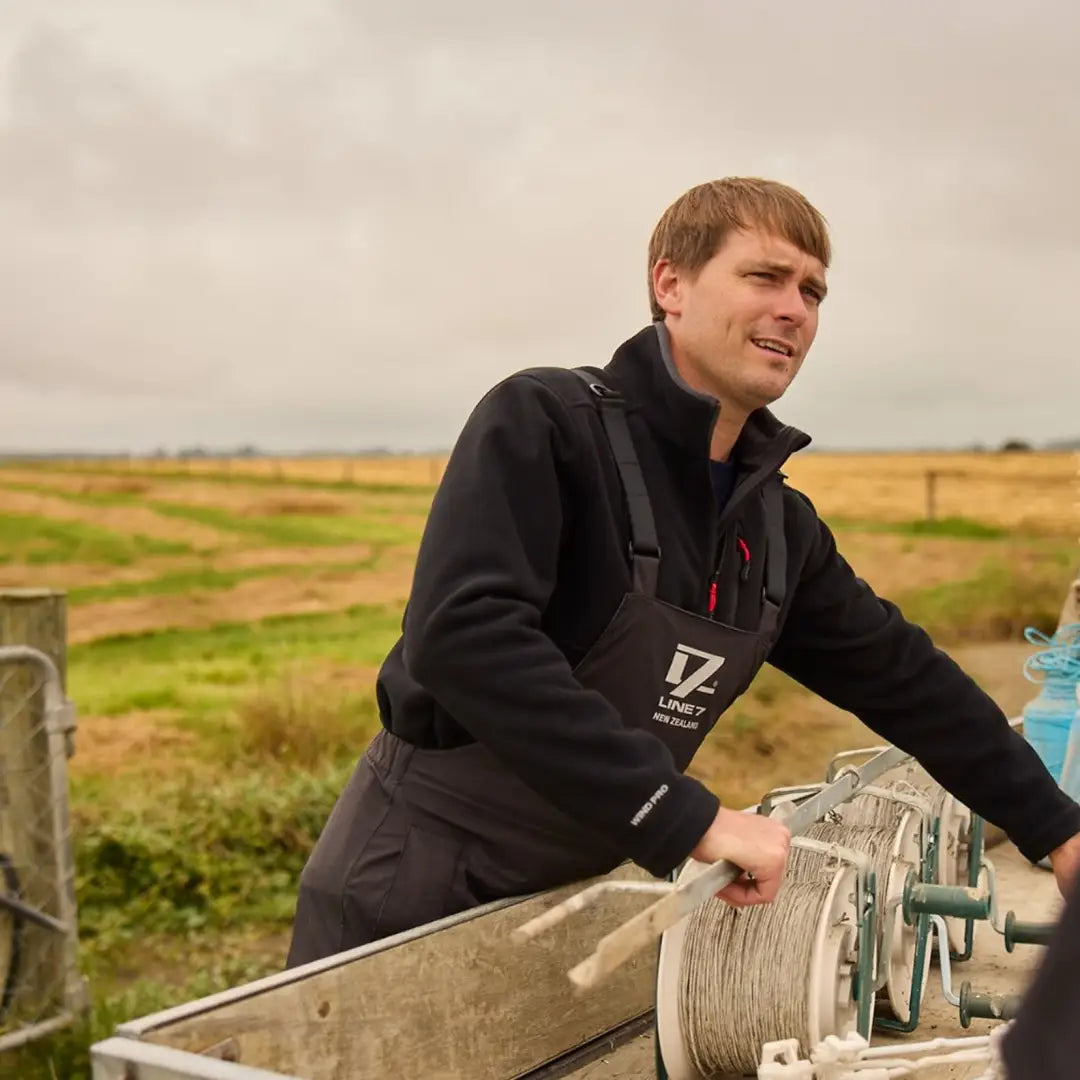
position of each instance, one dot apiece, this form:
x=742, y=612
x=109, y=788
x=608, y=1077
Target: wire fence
x=40, y=987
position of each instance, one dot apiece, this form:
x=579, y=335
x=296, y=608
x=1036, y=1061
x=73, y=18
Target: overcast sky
x=315, y=224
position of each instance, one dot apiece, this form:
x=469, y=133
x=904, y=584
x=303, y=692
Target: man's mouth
x=773, y=345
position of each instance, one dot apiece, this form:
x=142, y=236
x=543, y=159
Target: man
x=611, y=556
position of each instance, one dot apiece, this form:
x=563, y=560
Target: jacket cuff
x=673, y=826
x=1054, y=831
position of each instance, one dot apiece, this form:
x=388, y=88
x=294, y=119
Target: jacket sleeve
x=857, y=651
x=474, y=637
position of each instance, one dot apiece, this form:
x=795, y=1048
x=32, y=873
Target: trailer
x=465, y=998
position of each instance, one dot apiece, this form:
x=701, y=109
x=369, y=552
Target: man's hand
x=1065, y=861
x=757, y=844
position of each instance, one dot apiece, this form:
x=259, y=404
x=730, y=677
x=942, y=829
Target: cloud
x=351, y=221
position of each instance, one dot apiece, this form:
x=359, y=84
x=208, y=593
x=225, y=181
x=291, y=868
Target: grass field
x=1038, y=492
x=226, y=620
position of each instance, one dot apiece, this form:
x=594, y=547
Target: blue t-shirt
x=723, y=481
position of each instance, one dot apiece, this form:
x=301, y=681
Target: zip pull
x=744, y=550
x=712, y=597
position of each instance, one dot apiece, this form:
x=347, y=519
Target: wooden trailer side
x=457, y=1000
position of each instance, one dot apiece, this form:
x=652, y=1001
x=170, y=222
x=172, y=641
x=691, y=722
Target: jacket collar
x=643, y=371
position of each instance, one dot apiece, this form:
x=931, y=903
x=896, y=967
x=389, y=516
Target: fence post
x=931, y=493
x=34, y=828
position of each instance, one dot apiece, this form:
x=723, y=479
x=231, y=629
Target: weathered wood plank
x=463, y=1002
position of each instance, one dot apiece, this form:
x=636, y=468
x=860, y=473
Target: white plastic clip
x=833, y=1049
x=780, y=1061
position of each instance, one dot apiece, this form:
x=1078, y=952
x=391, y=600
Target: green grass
x=190, y=882
x=297, y=529
x=996, y=603
x=42, y=541
x=369, y=524
x=202, y=673
x=198, y=855
x=957, y=528
x=206, y=579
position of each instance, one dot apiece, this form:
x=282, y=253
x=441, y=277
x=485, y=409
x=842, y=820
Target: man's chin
x=766, y=393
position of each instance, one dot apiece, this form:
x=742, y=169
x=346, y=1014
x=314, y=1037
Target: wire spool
x=731, y=979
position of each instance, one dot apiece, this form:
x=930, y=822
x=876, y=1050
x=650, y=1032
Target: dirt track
x=1028, y=890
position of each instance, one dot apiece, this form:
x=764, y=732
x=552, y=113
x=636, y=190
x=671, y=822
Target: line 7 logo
x=687, y=684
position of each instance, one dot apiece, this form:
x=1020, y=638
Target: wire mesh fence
x=40, y=987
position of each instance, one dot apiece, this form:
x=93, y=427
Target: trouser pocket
x=425, y=885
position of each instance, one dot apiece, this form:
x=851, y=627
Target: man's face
x=743, y=324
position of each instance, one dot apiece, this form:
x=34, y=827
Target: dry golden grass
x=329, y=588
x=76, y=575
x=412, y=469
x=896, y=564
x=1034, y=492
x=146, y=741
x=305, y=718
x=129, y=520
x=292, y=494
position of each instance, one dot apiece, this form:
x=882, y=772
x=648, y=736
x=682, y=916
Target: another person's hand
x=1065, y=861
x=758, y=845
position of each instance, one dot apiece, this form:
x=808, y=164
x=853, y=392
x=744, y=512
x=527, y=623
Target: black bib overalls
x=419, y=833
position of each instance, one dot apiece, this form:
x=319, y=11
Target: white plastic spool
x=831, y=1005
x=954, y=857
x=954, y=842
x=896, y=941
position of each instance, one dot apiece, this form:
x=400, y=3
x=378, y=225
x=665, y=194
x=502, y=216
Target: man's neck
x=732, y=418
x=729, y=425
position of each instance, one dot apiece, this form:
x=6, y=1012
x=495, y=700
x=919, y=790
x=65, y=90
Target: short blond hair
x=693, y=228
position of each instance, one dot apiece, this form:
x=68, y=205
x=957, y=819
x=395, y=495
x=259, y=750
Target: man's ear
x=667, y=282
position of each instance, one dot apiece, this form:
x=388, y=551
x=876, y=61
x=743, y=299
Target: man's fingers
x=747, y=891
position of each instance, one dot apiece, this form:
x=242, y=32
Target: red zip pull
x=712, y=597
x=744, y=549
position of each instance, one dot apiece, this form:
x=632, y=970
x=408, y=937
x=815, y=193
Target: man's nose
x=791, y=306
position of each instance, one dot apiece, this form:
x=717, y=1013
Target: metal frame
x=119, y=1058
x=60, y=723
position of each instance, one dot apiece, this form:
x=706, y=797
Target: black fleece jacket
x=524, y=560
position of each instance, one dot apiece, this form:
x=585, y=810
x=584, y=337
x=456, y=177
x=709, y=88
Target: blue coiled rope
x=1049, y=717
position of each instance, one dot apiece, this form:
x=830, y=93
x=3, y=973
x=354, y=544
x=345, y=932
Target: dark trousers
x=418, y=835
